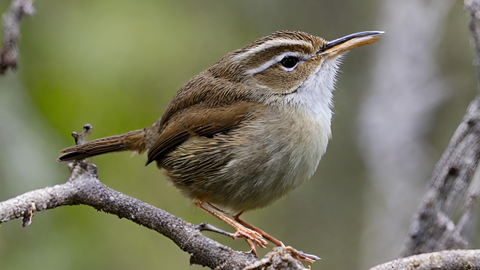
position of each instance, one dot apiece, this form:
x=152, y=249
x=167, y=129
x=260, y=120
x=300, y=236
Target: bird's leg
x=251, y=227
x=249, y=235
x=295, y=253
x=207, y=227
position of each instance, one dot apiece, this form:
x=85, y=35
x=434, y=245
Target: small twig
x=11, y=28
x=82, y=137
x=204, y=226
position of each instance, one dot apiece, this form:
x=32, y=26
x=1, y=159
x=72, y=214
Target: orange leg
x=249, y=235
x=264, y=234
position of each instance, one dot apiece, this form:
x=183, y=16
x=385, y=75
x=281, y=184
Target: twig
x=11, y=28
x=447, y=260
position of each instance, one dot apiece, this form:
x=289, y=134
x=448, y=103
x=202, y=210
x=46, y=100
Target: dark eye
x=289, y=61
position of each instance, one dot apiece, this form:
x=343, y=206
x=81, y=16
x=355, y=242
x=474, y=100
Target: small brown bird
x=246, y=131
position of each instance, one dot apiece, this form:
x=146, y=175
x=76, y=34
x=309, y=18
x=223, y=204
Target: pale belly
x=242, y=173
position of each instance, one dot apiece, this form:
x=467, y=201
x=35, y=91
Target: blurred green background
x=116, y=65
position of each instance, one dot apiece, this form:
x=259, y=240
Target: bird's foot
x=250, y=236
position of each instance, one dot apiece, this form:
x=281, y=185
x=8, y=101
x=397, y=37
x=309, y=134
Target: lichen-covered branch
x=447, y=260
x=11, y=32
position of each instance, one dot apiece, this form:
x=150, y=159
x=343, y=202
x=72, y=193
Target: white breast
x=312, y=104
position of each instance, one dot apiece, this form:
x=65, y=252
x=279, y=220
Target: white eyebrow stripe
x=272, y=43
x=275, y=60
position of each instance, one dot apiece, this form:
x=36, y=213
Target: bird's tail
x=131, y=141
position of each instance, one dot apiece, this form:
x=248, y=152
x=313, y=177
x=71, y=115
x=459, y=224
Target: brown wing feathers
x=197, y=121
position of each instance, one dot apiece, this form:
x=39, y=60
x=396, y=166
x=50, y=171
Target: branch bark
x=83, y=187
x=11, y=33
x=450, y=259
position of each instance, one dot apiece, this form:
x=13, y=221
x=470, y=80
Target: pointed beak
x=339, y=45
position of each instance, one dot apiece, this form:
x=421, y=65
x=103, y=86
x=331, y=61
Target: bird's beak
x=339, y=45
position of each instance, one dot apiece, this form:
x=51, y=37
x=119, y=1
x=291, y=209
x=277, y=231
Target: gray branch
x=450, y=259
x=11, y=32
x=433, y=227
x=83, y=187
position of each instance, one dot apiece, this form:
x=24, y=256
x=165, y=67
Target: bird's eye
x=289, y=62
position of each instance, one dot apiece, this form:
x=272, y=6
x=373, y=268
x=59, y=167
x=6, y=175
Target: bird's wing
x=197, y=120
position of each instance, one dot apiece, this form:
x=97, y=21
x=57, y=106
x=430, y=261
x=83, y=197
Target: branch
x=11, y=36
x=433, y=227
x=84, y=188
x=448, y=259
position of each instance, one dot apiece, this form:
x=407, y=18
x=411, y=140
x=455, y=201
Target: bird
x=247, y=130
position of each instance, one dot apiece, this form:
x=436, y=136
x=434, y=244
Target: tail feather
x=132, y=141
